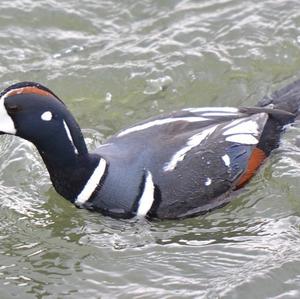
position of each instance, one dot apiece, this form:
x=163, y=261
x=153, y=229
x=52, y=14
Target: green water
x=118, y=62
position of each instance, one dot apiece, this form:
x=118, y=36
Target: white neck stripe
x=147, y=198
x=92, y=183
x=70, y=136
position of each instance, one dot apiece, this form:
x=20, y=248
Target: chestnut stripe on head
x=28, y=87
x=28, y=90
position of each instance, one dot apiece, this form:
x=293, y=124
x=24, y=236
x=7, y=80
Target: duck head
x=33, y=112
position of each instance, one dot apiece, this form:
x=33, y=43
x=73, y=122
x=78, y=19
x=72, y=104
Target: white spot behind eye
x=46, y=116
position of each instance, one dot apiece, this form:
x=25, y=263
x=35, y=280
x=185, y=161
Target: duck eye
x=13, y=108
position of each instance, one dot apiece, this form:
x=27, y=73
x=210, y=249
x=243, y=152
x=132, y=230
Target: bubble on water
x=73, y=49
x=155, y=86
x=108, y=97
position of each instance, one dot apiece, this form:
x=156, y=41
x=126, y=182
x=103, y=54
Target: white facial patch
x=6, y=123
x=46, y=116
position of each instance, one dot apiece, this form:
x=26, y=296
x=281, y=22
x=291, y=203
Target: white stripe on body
x=247, y=139
x=192, y=142
x=226, y=160
x=212, y=109
x=147, y=198
x=246, y=127
x=159, y=122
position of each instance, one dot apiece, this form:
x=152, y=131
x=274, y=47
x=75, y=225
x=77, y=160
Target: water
x=118, y=62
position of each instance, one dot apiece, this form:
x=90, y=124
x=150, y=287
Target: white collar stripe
x=147, y=198
x=92, y=183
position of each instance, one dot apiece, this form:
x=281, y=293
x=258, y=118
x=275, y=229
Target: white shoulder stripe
x=147, y=198
x=159, y=122
x=209, y=114
x=192, y=142
x=212, y=109
x=92, y=183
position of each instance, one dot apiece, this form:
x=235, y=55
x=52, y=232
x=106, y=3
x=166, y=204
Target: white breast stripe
x=212, y=109
x=159, y=122
x=192, y=142
x=70, y=137
x=147, y=198
x=92, y=183
x=6, y=123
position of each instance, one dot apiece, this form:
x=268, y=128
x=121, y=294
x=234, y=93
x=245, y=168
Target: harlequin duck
x=171, y=166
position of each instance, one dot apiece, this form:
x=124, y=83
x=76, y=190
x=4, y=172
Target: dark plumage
x=171, y=166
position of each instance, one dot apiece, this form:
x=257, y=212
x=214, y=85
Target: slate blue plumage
x=172, y=166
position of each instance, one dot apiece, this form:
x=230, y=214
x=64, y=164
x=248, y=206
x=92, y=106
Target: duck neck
x=68, y=162
x=70, y=177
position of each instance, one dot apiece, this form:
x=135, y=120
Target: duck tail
x=285, y=99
